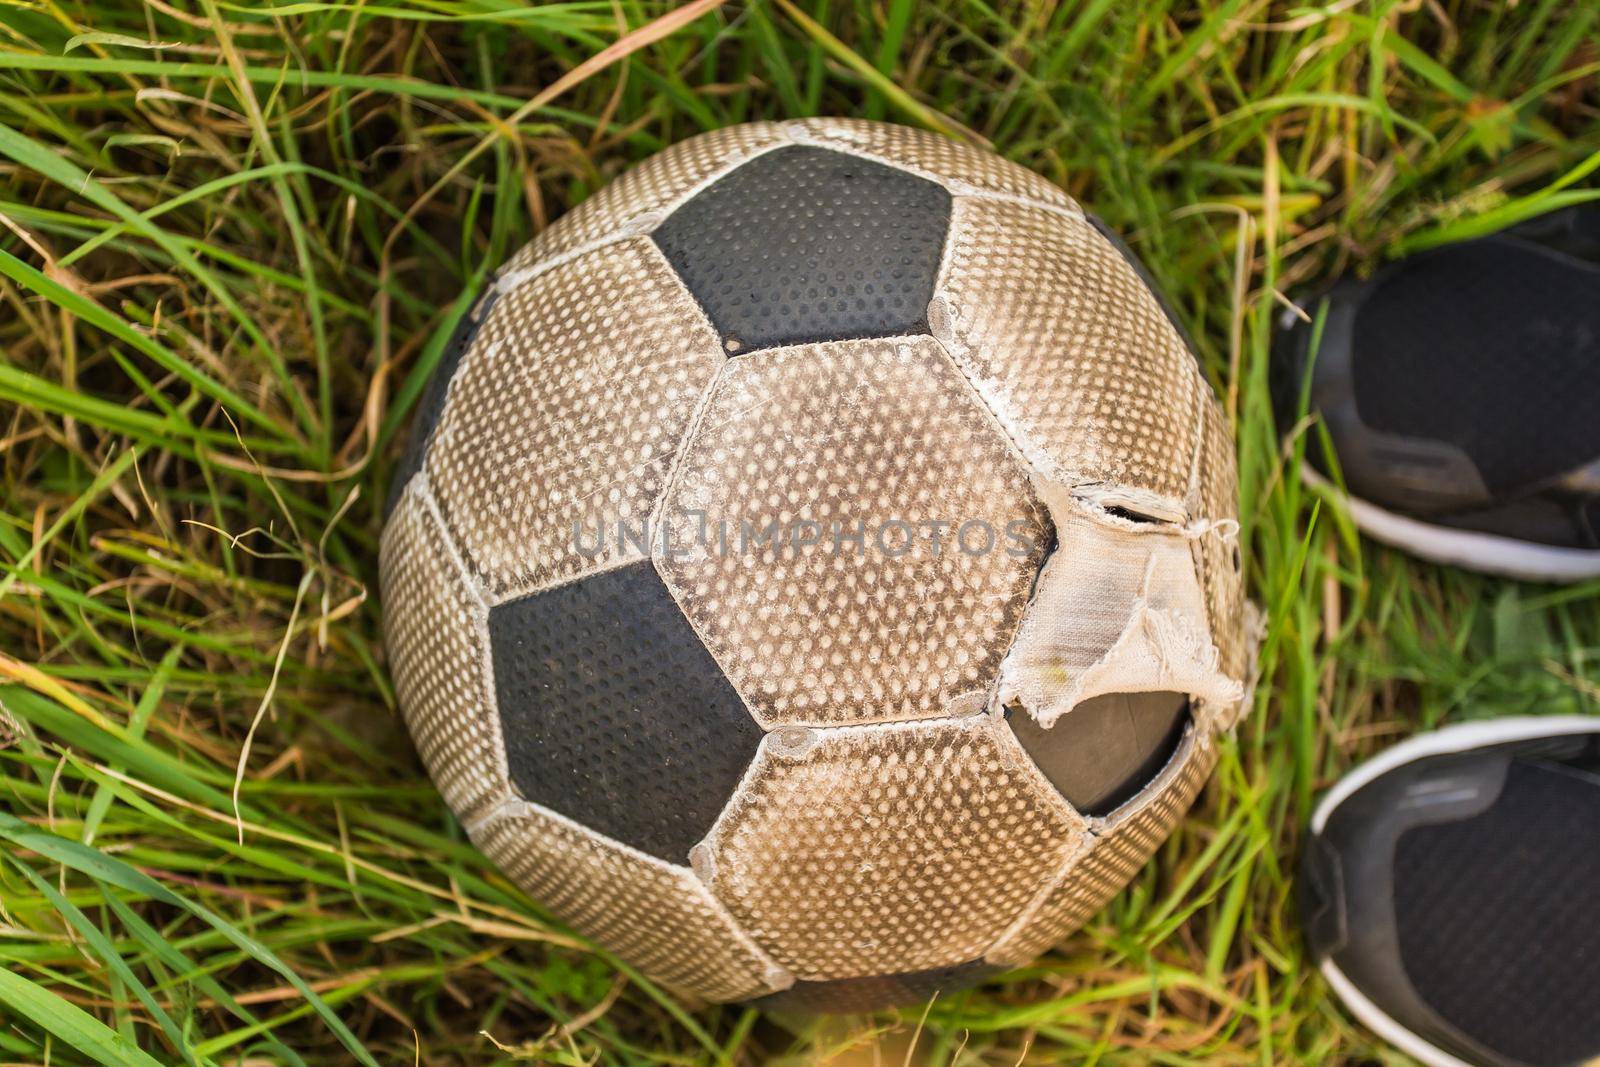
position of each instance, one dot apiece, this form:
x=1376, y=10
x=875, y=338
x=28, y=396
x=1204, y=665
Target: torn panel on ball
x=1108, y=747
x=1118, y=609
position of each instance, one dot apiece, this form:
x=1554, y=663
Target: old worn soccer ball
x=813, y=573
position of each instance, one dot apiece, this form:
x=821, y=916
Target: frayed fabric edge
x=1165, y=644
x=1159, y=651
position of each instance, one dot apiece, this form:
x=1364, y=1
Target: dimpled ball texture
x=811, y=575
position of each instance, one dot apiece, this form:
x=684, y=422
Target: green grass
x=232, y=236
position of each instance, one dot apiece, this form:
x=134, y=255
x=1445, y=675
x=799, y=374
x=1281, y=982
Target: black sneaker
x=1461, y=390
x=1448, y=893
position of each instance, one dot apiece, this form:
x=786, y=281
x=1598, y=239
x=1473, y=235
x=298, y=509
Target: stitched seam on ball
x=1098, y=830
x=677, y=592
x=705, y=319
x=1011, y=437
x=1014, y=751
x=480, y=625
x=684, y=877
x=962, y=190
x=508, y=283
x=1204, y=395
x=752, y=771
x=668, y=489
x=520, y=592
x=1085, y=844
x=449, y=388
x=1043, y=467
x=729, y=166
x=514, y=806
x=954, y=186
x=630, y=226
x=424, y=488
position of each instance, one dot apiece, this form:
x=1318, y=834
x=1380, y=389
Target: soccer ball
x=812, y=575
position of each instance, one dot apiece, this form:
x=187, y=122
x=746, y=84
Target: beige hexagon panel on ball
x=813, y=575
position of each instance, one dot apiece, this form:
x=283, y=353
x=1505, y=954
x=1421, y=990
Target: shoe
x=1448, y=893
x=1460, y=388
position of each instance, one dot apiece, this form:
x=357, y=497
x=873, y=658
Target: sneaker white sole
x=1372, y=1017
x=1490, y=553
x=1458, y=738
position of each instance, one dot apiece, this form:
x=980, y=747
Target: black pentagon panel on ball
x=1102, y=752
x=877, y=992
x=431, y=404
x=806, y=244
x=613, y=712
